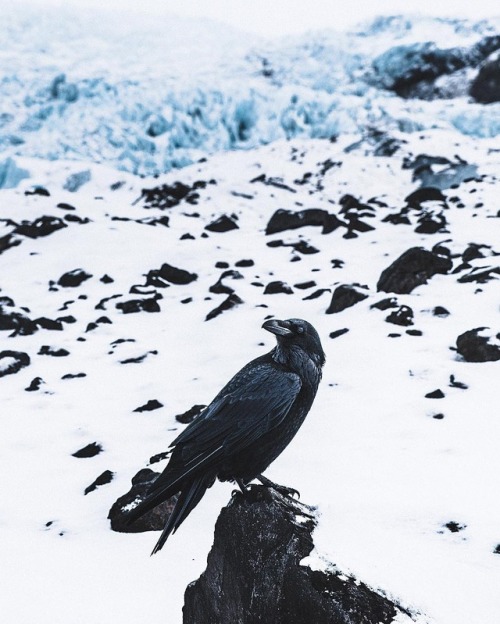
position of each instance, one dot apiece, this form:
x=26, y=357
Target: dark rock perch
x=254, y=574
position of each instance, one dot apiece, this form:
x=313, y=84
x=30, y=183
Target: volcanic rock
x=413, y=268
x=254, y=572
x=345, y=296
x=479, y=345
x=12, y=361
x=153, y=520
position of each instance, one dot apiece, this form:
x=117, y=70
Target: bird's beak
x=277, y=327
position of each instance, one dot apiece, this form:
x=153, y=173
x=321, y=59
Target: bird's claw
x=284, y=490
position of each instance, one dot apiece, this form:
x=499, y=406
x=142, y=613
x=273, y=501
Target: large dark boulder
x=412, y=269
x=479, y=345
x=485, y=88
x=254, y=572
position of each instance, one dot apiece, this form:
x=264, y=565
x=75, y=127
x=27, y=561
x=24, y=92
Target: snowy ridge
x=406, y=483
x=156, y=94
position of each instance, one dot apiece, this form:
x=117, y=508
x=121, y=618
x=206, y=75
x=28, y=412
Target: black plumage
x=248, y=424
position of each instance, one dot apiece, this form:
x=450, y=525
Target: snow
x=385, y=474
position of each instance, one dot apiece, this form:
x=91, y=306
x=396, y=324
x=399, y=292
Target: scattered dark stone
x=139, y=289
x=222, y=224
x=402, y=316
x=190, y=415
x=46, y=323
x=496, y=550
x=187, y=300
x=91, y=450
x=67, y=319
x=277, y=182
x=423, y=194
x=338, y=332
x=154, y=459
x=35, y=384
x=385, y=304
x=91, y=327
x=451, y=175
x=104, y=320
x=278, y=287
x=429, y=223
x=187, y=237
x=8, y=241
x=232, y=301
x=435, y=394
x=76, y=180
x=474, y=251
x=151, y=405
x=73, y=278
x=64, y=206
x=76, y=219
x=394, y=335
x=316, y=294
x=254, y=572
x=222, y=265
x=37, y=190
x=138, y=305
x=305, y=285
x=485, y=87
x=414, y=332
x=291, y=220
x=398, y=218
x=475, y=346
x=154, y=520
x=303, y=247
x=440, y=312
x=337, y=263
x=170, y=274
x=244, y=263
x=74, y=375
x=100, y=305
x=413, y=268
x=439, y=416
x=480, y=275
x=457, y=384
x=168, y=196
x=17, y=321
x=103, y=479
x=46, y=350
x=43, y=226
x=345, y=296
x=454, y=527
x=219, y=288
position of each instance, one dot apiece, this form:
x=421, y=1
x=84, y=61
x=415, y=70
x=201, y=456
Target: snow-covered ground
x=386, y=474
x=406, y=485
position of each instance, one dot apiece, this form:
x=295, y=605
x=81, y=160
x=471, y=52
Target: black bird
x=248, y=424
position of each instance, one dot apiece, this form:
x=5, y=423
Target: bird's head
x=297, y=334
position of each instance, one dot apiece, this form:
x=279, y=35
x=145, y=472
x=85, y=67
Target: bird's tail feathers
x=189, y=497
x=150, y=502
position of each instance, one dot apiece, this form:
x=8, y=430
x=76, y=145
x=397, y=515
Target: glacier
x=151, y=94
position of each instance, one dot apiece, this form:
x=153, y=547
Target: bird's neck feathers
x=306, y=365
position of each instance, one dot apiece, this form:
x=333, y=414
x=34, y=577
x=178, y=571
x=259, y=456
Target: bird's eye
x=300, y=329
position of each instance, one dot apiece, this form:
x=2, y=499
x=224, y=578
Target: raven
x=248, y=424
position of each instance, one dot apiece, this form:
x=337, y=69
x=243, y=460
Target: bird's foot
x=288, y=492
x=243, y=487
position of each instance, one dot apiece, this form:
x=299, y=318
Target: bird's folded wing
x=255, y=402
